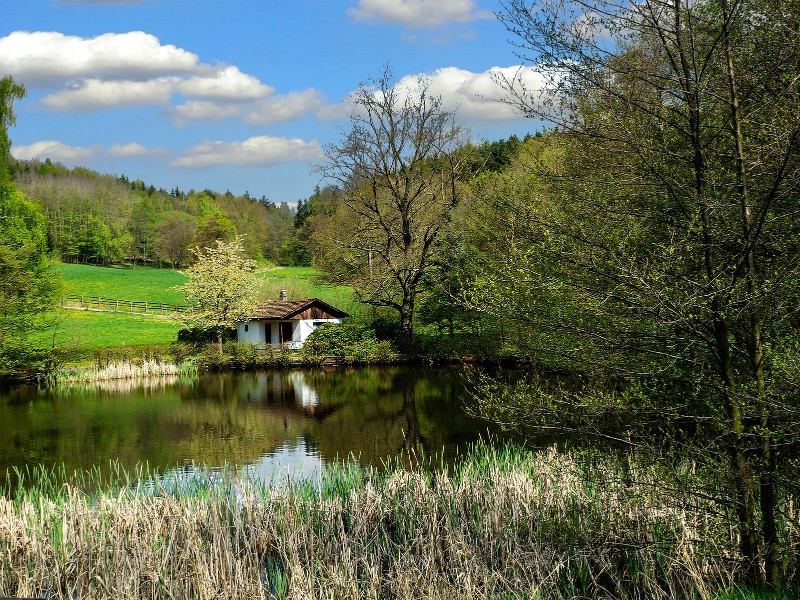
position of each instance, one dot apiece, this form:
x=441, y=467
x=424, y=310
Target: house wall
x=262, y=333
x=255, y=333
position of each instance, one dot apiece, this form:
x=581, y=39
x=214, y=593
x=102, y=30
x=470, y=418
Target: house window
x=318, y=324
x=245, y=326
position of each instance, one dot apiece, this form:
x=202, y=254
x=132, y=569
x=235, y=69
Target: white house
x=286, y=323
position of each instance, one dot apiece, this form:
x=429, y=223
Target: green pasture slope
x=90, y=329
x=119, y=283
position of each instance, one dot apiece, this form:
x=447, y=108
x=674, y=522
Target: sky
x=238, y=95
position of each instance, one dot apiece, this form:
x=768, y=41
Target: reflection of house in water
x=289, y=390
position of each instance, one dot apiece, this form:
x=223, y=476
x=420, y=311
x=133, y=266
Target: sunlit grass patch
x=121, y=283
x=91, y=329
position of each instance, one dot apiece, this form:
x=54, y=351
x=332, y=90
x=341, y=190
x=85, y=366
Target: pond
x=268, y=421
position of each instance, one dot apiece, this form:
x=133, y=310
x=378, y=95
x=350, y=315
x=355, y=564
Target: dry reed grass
x=505, y=523
x=120, y=371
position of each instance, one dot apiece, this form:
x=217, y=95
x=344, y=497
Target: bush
x=349, y=343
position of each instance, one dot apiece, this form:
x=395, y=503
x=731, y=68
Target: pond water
x=267, y=421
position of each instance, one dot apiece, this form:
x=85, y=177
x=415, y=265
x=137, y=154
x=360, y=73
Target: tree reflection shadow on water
x=288, y=418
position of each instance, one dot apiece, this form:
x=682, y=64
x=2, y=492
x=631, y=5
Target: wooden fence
x=129, y=306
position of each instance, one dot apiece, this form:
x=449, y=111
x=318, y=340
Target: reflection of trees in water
x=215, y=419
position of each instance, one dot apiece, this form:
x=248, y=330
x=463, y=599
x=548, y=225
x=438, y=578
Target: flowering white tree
x=221, y=289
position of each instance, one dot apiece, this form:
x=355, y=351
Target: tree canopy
x=398, y=166
x=663, y=245
x=221, y=288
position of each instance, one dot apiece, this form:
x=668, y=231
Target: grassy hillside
x=91, y=329
x=140, y=284
x=156, y=285
x=88, y=329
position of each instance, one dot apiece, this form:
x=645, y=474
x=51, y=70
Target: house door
x=286, y=332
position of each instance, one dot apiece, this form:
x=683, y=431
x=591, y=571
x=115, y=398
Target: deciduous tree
x=221, y=289
x=666, y=246
x=399, y=165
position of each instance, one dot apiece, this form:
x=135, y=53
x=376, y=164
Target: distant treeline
x=104, y=219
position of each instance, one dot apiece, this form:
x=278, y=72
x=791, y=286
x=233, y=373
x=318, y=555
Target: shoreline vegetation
x=505, y=522
x=180, y=359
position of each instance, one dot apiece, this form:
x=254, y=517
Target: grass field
x=156, y=285
x=103, y=329
x=140, y=284
x=91, y=329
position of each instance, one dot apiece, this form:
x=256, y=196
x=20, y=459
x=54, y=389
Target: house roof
x=291, y=309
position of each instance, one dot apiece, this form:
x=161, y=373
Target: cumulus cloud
x=132, y=150
x=256, y=151
x=91, y=94
x=227, y=83
x=48, y=58
x=55, y=151
x=286, y=107
x=276, y=108
x=477, y=96
x=136, y=69
x=204, y=110
x=417, y=13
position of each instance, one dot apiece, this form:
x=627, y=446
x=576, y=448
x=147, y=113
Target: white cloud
x=477, y=96
x=125, y=69
x=253, y=152
x=132, y=150
x=277, y=108
x=287, y=107
x=48, y=58
x=227, y=83
x=417, y=13
x=203, y=110
x=55, y=151
x=93, y=94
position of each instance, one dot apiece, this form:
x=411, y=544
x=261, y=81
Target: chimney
x=283, y=297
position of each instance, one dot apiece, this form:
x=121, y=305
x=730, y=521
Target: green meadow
x=93, y=329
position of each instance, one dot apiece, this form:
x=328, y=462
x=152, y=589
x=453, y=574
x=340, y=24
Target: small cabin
x=286, y=323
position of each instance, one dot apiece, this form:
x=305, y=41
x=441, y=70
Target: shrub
x=348, y=342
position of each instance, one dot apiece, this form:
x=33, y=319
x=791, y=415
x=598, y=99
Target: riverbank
x=504, y=523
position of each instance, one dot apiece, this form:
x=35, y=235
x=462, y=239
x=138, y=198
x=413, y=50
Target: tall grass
x=120, y=371
x=505, y=523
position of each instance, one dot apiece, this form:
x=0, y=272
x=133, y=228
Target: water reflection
x=265, y=421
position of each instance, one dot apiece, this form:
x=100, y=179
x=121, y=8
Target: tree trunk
x=407, y=323
x=755, y=342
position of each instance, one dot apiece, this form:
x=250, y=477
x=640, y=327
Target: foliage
x=221, y=288
x=175, y=232
x=398, y=167
x=663, y=245
x=103, y=219
x=29, y=288
x=10, y=90
x=348, y=342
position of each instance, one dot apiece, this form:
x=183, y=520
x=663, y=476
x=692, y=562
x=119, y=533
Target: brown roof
x=289, y=309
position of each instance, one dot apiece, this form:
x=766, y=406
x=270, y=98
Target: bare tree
x=398, y=166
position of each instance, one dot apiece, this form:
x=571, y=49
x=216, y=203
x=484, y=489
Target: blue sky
x=235, y=95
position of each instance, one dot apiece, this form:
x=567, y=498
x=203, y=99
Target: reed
x=504, y=523
x=124, y=370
